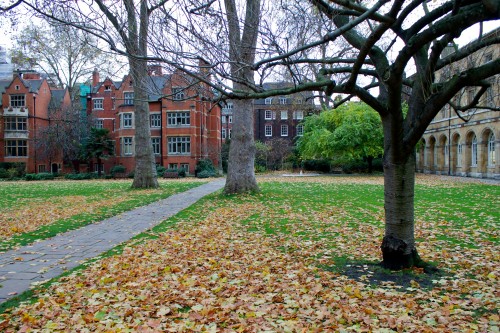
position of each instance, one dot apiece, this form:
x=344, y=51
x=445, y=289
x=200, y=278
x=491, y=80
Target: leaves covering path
x=213, y=275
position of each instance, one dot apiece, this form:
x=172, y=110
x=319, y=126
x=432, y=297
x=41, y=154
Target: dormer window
x=268, y=101
x=282, y=100
x=178, y=94
x=107, y=88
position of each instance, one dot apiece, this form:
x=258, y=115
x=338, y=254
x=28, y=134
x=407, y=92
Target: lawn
x=300, y=256
x=31, y=211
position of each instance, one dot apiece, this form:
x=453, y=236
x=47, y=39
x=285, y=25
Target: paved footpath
x=49, y=258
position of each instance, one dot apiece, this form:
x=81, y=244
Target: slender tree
x=124, y=26
x=98, y=145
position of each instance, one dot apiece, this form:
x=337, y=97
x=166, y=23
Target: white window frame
x=185, y=167
x=155, y=143
x=99, y=123
x=98, y=103
x=17, y=124
x=284, y=130
x=178, y=118
x=474, y=152
x=128, y=98
x=155, y=120
x=284, y=115
x=98, y=166
x=179, y=145
x=178, y=94
x=268, y=115
x=16, y=148
x=127, y=146
x=282, y=100
x=18, y=100
x=298, y=115
x=128, y=122
x=268, y=130
x=268, y=101
x=230, y=119
x=223, y=133
x=300, y=130
x=491, y=150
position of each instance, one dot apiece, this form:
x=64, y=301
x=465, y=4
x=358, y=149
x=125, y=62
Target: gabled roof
x=96, y=88
x=57, y=98
x=4, y=84
x=155, y=85
x=33, y=85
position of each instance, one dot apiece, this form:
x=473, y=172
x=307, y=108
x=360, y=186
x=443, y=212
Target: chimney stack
x=155, y=70
x=95, y=77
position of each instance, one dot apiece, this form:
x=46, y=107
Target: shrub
x=39, y=176
x=260, y=168
x=182, y=173
x=204, y=174
x=20, y=168
x=160, y=169
x=205, y=165
x=117, y=169
x=3, y=173
x=131, y=174
x=78, y=176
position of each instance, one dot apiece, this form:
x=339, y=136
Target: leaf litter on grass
x=213, y=275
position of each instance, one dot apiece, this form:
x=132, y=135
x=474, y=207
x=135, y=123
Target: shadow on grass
x=374, y=275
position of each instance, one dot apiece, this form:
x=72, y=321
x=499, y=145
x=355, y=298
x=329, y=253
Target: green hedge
x=39, y=176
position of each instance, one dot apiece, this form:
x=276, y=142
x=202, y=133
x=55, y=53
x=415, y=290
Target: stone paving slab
x=49, y=258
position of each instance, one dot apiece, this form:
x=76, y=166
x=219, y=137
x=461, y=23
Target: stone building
x=468, y=143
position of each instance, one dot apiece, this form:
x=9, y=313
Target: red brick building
x=27, y=104
x=185, y=126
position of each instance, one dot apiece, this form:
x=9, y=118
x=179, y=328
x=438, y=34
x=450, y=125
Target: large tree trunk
x=398, y=245
x=240, y=173
x=145, y=169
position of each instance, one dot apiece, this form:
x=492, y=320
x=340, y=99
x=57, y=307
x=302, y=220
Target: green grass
x=20, y=194
x=339, y=218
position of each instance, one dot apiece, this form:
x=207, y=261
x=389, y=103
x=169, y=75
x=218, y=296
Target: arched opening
x=487, y=158
x=443, y=155
x=491, y=151
x=432, y=155
x=456, y=154
x=470, y=154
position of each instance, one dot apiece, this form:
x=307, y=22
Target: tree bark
x=145, y=169
x=241, y=173
x=242, y=48
x=398, y=245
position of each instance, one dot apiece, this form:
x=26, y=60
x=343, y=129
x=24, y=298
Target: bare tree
x=65, y=54
x=124, y=26
x=380, y=42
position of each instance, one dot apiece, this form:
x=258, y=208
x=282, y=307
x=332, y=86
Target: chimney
x=95, y=77
x=204, y=67
x=155, y=70
x=31, y=76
